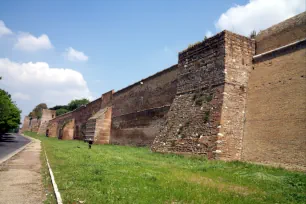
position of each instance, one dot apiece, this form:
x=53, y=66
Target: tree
x=74, y=104
x=9, y=113
x=37, y=111
x=59, y=107
x=253, y=34
x=61, y=111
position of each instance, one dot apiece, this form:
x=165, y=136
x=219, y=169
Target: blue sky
x=124, y=41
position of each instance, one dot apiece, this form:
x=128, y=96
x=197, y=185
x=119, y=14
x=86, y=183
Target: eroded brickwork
x=194, y=117
x=66, y=132
x=239, y=52
x=26, y=124
x=46, y=116
x=34, y=124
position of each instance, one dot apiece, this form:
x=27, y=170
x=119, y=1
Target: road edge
x=16, y=151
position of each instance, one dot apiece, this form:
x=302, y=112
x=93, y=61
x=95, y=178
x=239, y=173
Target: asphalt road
x=11, y=142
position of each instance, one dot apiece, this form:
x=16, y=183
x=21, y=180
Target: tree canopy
x=61, y=111
x=9, y=113
x=37, y=111
x=74, y=104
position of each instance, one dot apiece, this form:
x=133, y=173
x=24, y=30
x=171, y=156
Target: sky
x=54, y=51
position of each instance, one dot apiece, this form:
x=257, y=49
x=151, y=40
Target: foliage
x=122, y=174
x=74, y=104
x=253, y=34
x=9, y=113
x=61, y=111
x=37, y=111
x=59, y=107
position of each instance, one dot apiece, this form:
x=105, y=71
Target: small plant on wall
x=200, y=98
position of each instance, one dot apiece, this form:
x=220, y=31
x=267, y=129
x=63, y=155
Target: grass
x=121, y=174
x=50, y=196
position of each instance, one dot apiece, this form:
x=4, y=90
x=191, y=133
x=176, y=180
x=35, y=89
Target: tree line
x=60, y=109
x=9, y=113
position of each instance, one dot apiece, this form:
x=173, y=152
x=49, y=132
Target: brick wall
x=138, y=110
x=26, y=124
x=275, y=129
x=55, y=124
x=281, y=34
x=207, y=114
x=81, y=116
x=192, y=122
x=239, y=52
x=67, y=131
x=275, y=126
x=46, y=116
x=34, y=124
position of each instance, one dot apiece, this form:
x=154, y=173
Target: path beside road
x=20, y=177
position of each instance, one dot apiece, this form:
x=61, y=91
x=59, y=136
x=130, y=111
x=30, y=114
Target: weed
x=206, y=116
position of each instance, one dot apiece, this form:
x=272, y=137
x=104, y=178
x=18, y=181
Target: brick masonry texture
x=138, y=110
x=207, y=116
x=227, y=99
x=275, y=129
x=46, y=116
x=286, y=32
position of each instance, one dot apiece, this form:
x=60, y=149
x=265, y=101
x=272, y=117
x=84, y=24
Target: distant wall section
x=138, y=110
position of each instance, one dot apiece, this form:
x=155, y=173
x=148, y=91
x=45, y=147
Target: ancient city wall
x=207, y=114
x=275, y=127
x=229, y=98
x=46, y=116
x=192, y=123
x=57, y=123
x=239, y=51
x=26, y=124
x=286, y=32
x=138, y=110
x=34, y=124
x=80, y=117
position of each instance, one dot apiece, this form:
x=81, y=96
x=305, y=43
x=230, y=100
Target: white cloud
x=208, y=34
x=28, y=42
x=4, y=30
x=33, y=83
x=20, y=96
x=258, y=15
x=75, y=55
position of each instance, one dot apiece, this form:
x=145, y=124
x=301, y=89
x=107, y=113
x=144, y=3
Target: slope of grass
x=121, y=174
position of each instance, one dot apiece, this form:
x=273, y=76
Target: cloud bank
x=28, y=42
x=33, y=83
x=258, y=15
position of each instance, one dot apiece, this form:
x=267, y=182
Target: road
x=11, y=142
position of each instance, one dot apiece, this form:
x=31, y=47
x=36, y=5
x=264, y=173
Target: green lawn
x=121, y=174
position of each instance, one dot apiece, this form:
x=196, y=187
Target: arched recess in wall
x=77, y=132
x=66, y=130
